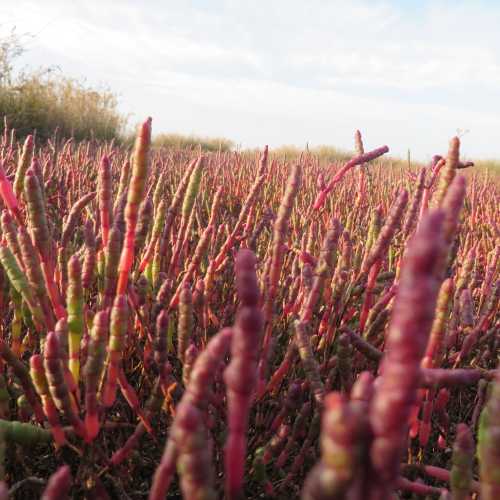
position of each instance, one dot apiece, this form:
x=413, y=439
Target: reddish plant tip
x=145, y=132
x=74, y=265
x=36, y=362
x=464, y=437
x=363, y=388
x=263, y=157
x=424, y=250
x=334, y=400
x=92, y=427
x=52, y=346
x=246, y=279
x=454, y=144
x=188, y=417
x=191, y=351
x=59, y=484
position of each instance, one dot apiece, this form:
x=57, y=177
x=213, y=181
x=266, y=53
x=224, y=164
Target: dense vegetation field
x=234, y=326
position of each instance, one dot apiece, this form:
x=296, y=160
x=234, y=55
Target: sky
x=409, y=74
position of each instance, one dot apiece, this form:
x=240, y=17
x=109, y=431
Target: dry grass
x=190, y=142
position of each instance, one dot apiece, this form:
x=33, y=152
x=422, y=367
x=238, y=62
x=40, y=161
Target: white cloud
x=286, y=71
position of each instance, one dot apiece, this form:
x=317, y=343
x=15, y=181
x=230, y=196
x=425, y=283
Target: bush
x=179, y=141
x=46, y=102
